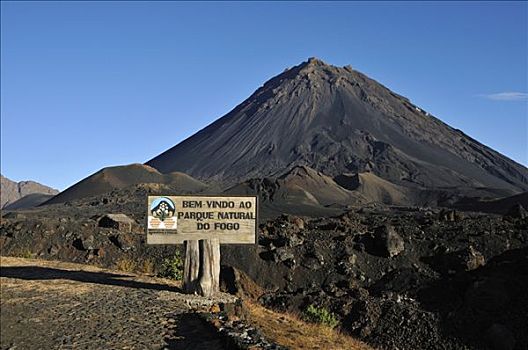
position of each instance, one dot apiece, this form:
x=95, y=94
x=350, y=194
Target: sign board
x=174, y=219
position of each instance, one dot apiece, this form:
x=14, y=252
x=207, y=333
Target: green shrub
x=320, y=315
x=172, y=267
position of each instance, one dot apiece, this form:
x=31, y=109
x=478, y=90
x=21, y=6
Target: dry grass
x=63, y=288
x=147, y=267
x=25, y=253
x=18, y=261
x=126, y=264
x=290, y=331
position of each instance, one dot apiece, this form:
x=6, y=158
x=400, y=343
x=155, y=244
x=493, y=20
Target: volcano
x=338, y=121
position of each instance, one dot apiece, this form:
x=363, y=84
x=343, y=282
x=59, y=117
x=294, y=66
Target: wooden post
x=191, y=266
x=202, y=267
x=215, y=246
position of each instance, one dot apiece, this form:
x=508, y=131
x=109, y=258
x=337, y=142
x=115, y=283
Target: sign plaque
x=175, y=219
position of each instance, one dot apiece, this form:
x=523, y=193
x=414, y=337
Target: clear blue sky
x=86, y=85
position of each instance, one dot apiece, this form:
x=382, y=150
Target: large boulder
x=119, y=222
x=236, y=282
x=388, y=240
x=466, y=259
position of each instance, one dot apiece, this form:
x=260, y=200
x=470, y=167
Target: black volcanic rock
x=388, y=240
x=338, y=121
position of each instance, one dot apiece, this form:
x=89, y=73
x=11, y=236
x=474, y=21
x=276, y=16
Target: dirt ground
x=55, y=305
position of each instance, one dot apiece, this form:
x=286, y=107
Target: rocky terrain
x=23, y=194
x=396, y=277
x=415, y=279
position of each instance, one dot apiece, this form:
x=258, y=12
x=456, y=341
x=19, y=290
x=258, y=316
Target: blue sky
x=86, y=85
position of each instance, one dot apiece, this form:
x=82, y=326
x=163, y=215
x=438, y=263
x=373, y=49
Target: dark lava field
x=395, y=277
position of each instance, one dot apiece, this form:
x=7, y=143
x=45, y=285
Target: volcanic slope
x=120, y=177
x=305, y=186
x=337, y=121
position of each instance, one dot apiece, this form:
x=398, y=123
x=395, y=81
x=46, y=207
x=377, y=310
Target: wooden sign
x=175, y=219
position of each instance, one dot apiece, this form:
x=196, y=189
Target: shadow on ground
x=192, y=332
x=45, y=273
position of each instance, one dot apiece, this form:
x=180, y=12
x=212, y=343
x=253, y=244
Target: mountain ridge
x=13, y=191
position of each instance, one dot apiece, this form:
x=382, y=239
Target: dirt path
x=53, y=305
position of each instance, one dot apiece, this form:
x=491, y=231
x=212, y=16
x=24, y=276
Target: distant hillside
x=29, y=201
x=119, y=177
x=12, y=191
x=304, y=186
